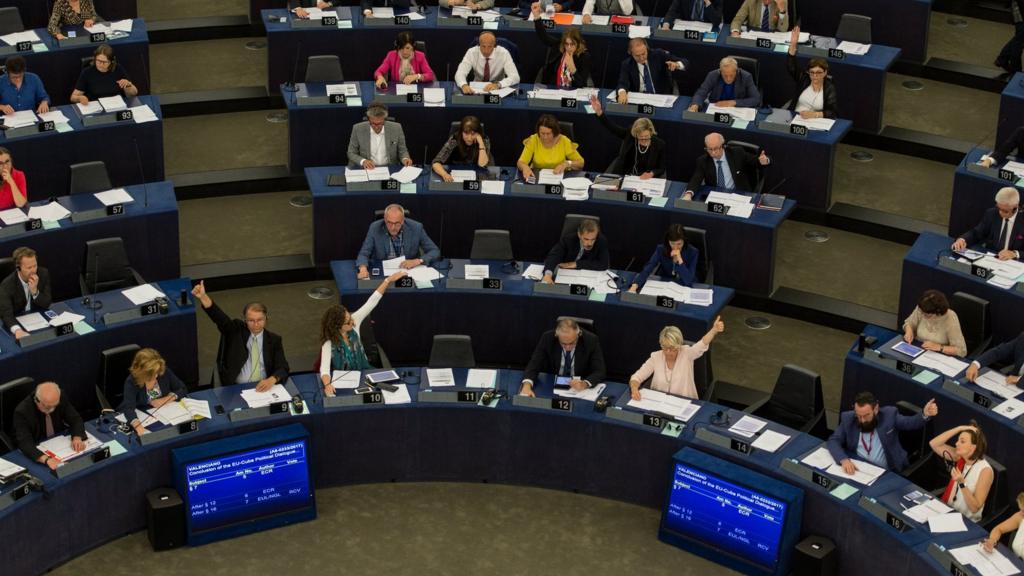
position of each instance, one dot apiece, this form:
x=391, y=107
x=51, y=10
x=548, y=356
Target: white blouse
x=959, y=503
x=679, y=380
x=357, y=318
x=1018, y=542
x=810, y=100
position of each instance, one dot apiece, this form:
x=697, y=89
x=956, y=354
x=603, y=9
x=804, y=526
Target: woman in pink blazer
x=404, y=64
x=672, y=366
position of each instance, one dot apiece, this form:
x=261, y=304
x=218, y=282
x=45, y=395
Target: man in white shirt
x=489, y=63
x=377, y=142
x=25, y=290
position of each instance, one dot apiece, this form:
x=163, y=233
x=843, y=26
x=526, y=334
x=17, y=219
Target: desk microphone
x=775, y=187
x=290, y=86
x=142, y=174
x=442, y=262
x=145, y=72
x=425, y=161
x=619, y=279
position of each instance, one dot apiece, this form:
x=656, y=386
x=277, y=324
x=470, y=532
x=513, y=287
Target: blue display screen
x=245, y=486
x=743, y=522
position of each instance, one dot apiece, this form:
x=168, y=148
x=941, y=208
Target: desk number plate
x=402, y=20
x=23, y=46
x=821, y=480
x=33, y=224
x=548, y=24
x=123, y=115
x=471, y=185
x=492, y=283
x=64, y=329
x=620, y=28
x=336, y=98
x=186, y=427
x=739, y=446
x=634, y=196
x=647, y=109
x=692, y=35
x=654, y=421
x=1007, y=175
x=414, y=98
x=895, y=521
x=765, y=43
x=905, y=367
x=979, y=271
x=492, y=99
x=475, y=20
x=666, y=302
x=553, y=189
x=836, y=53
x=329, y=21
x=579, y=289
x=47, y=126
x=149, y=308
x=982, y=400
x=115, y=209
x=405, y=282
x=373, y=398
x=562, y=404
x=390, y=185
x=20, y=492
x=568, y=102
x=798, y=130
x=98, y=37
x=723, y=118
x=280, y=407
x=718, y=208
x=468, y=396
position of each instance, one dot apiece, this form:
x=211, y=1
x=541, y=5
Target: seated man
x=869, y=433
x=26, y=290
x=587, y=249
x=606, y=8
x=567, y=351
x=762, y=16
x=1003, y=149
x=725, y=168
x=728, y=86
x=251, y=353
x=1011, y=351
x=377, y=141
x=394, y=236
x=709, y=11
x=489, y=63
x=647, y=70
x=21, y=90
x=998, y=230
x=43, y=415
x=367, y=5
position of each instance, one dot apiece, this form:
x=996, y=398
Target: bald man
x=487, y=62
x=43, y=415
x=730, y=169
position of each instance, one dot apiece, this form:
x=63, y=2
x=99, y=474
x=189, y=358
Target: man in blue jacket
x=394, y=236
x=727, y=87
x=870, y=433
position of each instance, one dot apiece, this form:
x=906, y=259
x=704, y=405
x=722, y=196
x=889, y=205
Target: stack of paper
x=532, y=272
x=440, y=377
x=384, y=12
x=407, y=174
x=55, y=116
x=748, y=114
x=197, y=408
x=361, y=175
x=922, y=512
x=464, y=175
x=405, y=89
x=392, y=265
x=115, y=196
x=481, y=378
x=142, y=294
x=277, y=393
x=13, y=216
x=318, y=13
x=678, y=292
x=93, y=107
x=495, y=187
x=866, y=473
x=66, y=318
x=350, y=89
x=434, y=97
x=20, y=119
x=423, y=273
x=692, y=25
x=739, y=204
x=854, y=47
x=14, y=37
x=747, y=426
x=639, y=31
x=348, y=379
x=553, y=94
x=1015, y=167
x=59, y=447
x=143, y=113
x=9, y=469
x=947, y=365
x=33, y=321
x=995, y=382
x=588, y=394
x=481, y=88
x=548, y=176
x=986, y=563
x=597, y=280
x=399, y=396
x=113, y=103
x=51, y=212
x=824, y=124
x=656, y=100
x=1011, y=408
x=820, y=459
x=944, y=523
x=122, y=26
x=655, y=401
x=477, y=271
x=486, y=15
x=169, y=414
x=651, y=187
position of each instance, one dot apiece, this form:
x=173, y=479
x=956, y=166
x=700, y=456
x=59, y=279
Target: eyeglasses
x=255, y=320
x=98, y=61
x=714, y=149
x=5, y=162
x=816, y=72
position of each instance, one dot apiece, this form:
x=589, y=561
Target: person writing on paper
x=970, y=476
x=671, y=368
x=674, y=259
x=14, y=192
x=73, y=12
x=467, y=146
x=529, y=6
x=709, y=11
x=587, y=249
x=43, y=415
x=489, y=63
x=870, y=432
x=21, y=90
x=471, y=4
x=404, y=64
x=1005, y=353
x=815, y=95
x=377, y=141
x=642, y=153
x=998, y=231
x=394, y=236
x=340, y=347
x=569, y=66
x=647, y=70
x=25, y=290
x=998, y=156
x=568, y=351
x=102, y=79
x=1006, y=526
x=548, y=148
x=151, y=384
x=251, y=352
x=367, y=5
x=298, y=7
x=936, y=325
x=732, y=168
x=762, y=16
x=606, y=8
x=728, y=86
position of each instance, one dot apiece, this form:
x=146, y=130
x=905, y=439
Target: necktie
x=648, y=82
x=1001, y=245
x=567, y=363
x=487, y=70
x=28, y=298
x=49, y=426
x=254, y=357
x=698, y=10
x=721, y=174
x=764, y=18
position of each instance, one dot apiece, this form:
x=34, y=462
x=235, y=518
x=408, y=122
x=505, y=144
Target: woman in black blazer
x=642, y=153
x=815, y=95
x=150, y=384
x=569, y=67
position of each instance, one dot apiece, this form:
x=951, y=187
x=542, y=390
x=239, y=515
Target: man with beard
x=869, y=433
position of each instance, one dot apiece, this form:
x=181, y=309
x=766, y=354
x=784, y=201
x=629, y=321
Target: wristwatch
x=962, y=485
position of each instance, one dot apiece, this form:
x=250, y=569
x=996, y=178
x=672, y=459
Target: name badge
x=123, y=115
x=373, y=398
x=402, y=20
x=47, y=126
x=739, y=446
x=492, y=283
x=474, y=20
x=115, y=209
x=765, y=43
x=329, y=21
x=471, y=185
x=634, y=196
x=336, y=98
x=568, y=102
x=414, y=98
x=467, y=396
x=836, y=53
x=98, y=37
x=798, y=130
x=563, y=404
x=389, y=185
x=579, y=289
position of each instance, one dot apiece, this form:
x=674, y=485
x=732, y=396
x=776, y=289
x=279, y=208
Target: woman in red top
x=14, y=192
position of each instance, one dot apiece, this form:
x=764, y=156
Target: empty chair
x=10, y=20
x=11, y=394
x=107, y=267
x=452, y=351
x=755, y=150
x=585, y=323
x=698, y=238
x=572, y=223
x=324, y=68
x=752, y=66
x=6, y=267
x=89, y=178
x=915, y=442
x=114, y=366
x=491, y=245
x=796, y=402
x=974, y=322
x=566, y=128
x=855, y=28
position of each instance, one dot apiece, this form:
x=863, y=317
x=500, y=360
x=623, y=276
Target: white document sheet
x=823, y=124
x=346, y=379
x=66, y=318
x=392, y=265
x=481, y=378
x=663, y=403
x=577, y=183
x=692, y=25
x=384, y=12
x=747, y=426
x=13, y=216
x=947, y=365
x=854, y=47
x=20, y=119
x=424, y=273
x=33, y=321
x=277, y=393
x=9, y=469
x=403, y=89
x=13, y=38
x=440, y=377
x=1011, y=408
x=770, y=441
x=93, y=107
x=377, y=174
x=122, y=26
x=197, y=408
x=170, y=414
x=463, y=175
x=434, y=97
x=639, y=31
x=820, y=459
x=588, y=394
x=532, y=272
x=115, y=196
x=866, y=473
x=548, y=176
x=143, y=113
x=748, y=114
x=652, y=187
x=944, y=523
x=739, y=204
x=55, y=116
x=992, y=563
x=355, y=175
x=51, y=212
x=349, y=89
x=113, y=103
x=922, y=512
x=995, y=382
x=407, y=174
x=495, y=187
x=775, y=37
x=142, y=294
x=59, y=447
x=400, y=396
x=477, y=271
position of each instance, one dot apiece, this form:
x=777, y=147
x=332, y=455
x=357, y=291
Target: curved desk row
x=860, y=80
x=36, y=14
x=974, y=191
x=582, y=450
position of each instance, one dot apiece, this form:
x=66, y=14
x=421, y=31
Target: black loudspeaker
x=165, y=519
x=815, y=556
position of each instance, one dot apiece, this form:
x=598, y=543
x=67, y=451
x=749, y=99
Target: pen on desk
x=904, y=506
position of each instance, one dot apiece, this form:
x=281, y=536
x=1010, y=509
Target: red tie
x=949, y=487
x=487, y=69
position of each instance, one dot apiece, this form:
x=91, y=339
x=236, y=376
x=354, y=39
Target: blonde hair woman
x=671, y=368
x=150, y=384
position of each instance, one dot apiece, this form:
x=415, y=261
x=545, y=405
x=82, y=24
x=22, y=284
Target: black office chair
x=698, y=237
x=420, y=45
x=454, y=129
x=915, y=442
x=115, y=364
x=756, y=151
x=572, y=223
x=107, y=267
x=452, y=351
x=512, y=47
x=10, y=20
x=974, y=321
x=855, y=28
x=87, y=61
x=566, y=128
x=491, y=245
x=11, y=394
x=584, y=323
x=375, y=354
x=89, y=177
x=796, y=401
x=752, y=66
x=615, y=167
x=219, y=363
x=6, y=267
x=324, y=68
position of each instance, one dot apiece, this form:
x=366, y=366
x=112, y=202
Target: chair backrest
x=915, y=442
x=324, y=68
x=491, y=245
x=89, y=178
x=998, y=496
x=567, y=129
x=584, y=323
x=750, y=65
x=974, y=323
x=751, y=149
x=797, y=397
x=855, y=28
x=10, y=20
x=6, y=266
x=456, y=124
x=572, y=223
x=114, y=366
x=420, y=46
x=702, y=373
x=11, y=394
x=452, y=351
x=106, y=265
x=698, y=238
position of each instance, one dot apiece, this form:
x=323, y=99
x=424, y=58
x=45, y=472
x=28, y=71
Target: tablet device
x=908, y=349
x=386, y=376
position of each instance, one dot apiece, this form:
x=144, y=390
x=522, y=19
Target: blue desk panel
x=1011, y=108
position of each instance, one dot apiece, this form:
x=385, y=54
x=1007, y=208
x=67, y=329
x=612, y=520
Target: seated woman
x=672, y=366
x=815, y=95
x=340, y=347
x=642, y=153
x=1010, y=524
x=14, y=192
x=971, y=475
x=150, y=384
x=102, y=79
x=468, y=146
x=570, y=66
x=74, y=12
x=471, y=4
x=935, y=325
x=404, y=64
x=548, y=148
x=673, y=258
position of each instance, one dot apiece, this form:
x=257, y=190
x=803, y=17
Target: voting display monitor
x=731, y=515
x=245, y=484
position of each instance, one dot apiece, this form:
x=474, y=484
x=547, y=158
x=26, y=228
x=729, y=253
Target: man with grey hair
x=586, y=249
x=569, y=352
x=728, y=86
x=378, y=141
x=724, y=168
x=394, y=236
x=999, y=231
x=45, y=414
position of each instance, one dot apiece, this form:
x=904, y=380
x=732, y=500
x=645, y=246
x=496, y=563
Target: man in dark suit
x=871, y=433
x=709, y=11
x=26, y=290
x=1014, y=143
x=44, y=414
x=251, y=353
x=999, y=230
x=1005, y=352
x=728, y=86
x=394, y=236
x=587, y=249
x=568, y=351
x=725, y=168
x=647, y=70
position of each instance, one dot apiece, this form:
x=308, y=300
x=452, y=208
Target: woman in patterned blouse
x=71, y=12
